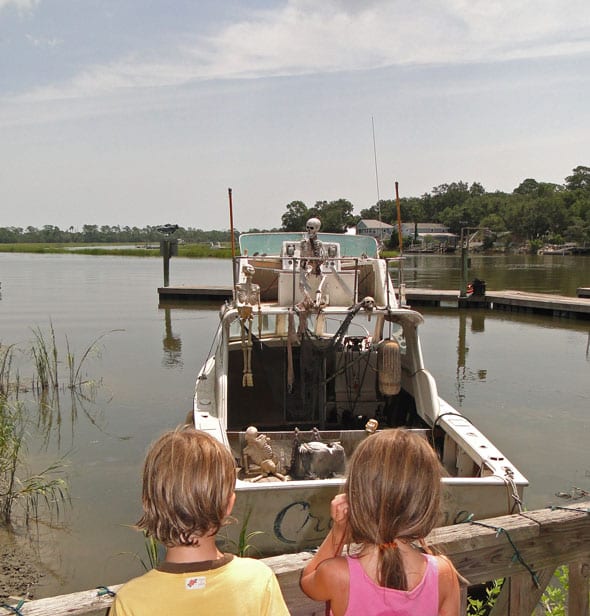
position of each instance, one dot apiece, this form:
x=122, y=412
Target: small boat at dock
x=317, y=350
x=558, y=249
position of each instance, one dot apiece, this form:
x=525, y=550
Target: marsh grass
x=191, y=251
x=47, y=361
x=23, y=491
x=6, y=359
x=45, y=358
x=243, y=545
x=154, y=551
x=18, y=486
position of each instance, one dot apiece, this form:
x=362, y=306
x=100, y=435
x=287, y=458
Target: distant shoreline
x=189, y=251
x=194, y=251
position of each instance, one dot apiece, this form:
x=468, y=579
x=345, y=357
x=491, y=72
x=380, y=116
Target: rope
x=512, y=490
x=14, y=609
x=439, y=417
x=104, y=590
x=517, y=556
x=247, y=378
x=579, y=509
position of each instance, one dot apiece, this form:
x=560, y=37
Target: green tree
x=90, y=233
x=527, y=187
x=295, y=217
x=336, y=216
x=579, y=180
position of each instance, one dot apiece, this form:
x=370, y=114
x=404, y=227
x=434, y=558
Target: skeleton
x=247, y=296
x=248, y=292
x=371, y=426
x=259, y=453
x=312, y=248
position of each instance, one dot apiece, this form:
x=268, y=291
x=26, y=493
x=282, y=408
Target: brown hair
x=394, y=493
x=188, y=480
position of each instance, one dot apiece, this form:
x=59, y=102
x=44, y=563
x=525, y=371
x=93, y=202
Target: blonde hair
x=394, y=493
x=188, y=480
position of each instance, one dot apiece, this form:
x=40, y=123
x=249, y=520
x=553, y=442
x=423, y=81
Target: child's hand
x=339, y=515
x=339, y=509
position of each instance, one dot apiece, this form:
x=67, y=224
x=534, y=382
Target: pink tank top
x=368, y=599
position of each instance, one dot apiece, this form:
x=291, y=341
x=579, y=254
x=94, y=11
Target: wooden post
x=579, y=573
x=464, y=262
x=165, y=250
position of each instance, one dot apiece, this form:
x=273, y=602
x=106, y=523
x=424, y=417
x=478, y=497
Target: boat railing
x=279, y=278
x=522, y=550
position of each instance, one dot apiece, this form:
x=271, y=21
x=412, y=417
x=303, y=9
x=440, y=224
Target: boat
x=317, y=350
x=558, y=249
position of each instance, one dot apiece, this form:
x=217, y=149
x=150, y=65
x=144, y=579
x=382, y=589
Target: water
x=557, y=274
x=523, y=380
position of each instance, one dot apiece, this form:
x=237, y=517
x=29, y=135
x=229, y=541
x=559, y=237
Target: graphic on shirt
x=195, y=583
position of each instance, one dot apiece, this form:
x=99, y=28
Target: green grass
x=191, y=251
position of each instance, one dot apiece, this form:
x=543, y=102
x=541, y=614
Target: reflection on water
x=464, y=372
x=557, y=274
x=522, y=379
x=171, y=343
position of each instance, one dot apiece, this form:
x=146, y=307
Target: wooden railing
x=524, y=549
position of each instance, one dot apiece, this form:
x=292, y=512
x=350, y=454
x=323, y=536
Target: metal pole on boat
x=399, y=219
x=233, y=241
x=402, y=286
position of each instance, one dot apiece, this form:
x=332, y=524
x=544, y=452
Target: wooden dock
x=511, y=301
x=524, y=549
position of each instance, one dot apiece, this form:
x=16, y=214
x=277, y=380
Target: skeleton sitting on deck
x=258, y=456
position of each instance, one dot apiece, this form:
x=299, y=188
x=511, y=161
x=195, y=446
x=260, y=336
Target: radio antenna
x=377, y=181
x=376, y=172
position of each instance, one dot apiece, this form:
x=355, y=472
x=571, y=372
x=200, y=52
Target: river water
x=524, y=380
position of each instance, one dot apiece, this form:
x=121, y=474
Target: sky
x=128, y=112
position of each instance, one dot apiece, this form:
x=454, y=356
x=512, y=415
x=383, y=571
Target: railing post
x=579, y=573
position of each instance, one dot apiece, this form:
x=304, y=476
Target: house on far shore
x=409, y=229
x=429, y=237
x=375, y=228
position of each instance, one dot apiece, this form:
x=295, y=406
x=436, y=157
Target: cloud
x=306, y=36
x=310, y=37
x=43, y=43
x=22, y=6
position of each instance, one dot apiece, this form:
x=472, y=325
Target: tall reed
x=17, y=487
x=21, y=489
x=7, y=384
x=45, y=358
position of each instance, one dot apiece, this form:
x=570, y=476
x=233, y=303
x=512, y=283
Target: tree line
x=105, y=234
x=534, y=211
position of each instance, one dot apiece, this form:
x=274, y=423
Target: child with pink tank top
x=391, y=501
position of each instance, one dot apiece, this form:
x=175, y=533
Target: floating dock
x=511, y=301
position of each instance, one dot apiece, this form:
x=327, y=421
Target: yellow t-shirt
x=230, y=585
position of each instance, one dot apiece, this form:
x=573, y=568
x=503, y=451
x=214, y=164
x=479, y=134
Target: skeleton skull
x=313, y=226
x=248, y=270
